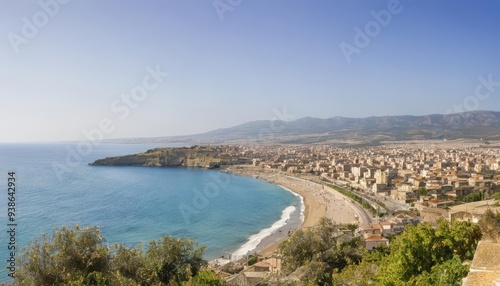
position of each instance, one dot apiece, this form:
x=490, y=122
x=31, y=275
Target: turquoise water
x=56, y=187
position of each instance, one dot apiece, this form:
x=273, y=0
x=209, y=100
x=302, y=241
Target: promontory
x=196, y=156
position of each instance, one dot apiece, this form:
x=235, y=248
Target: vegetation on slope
x=80, y=256
x=423, y=255
x=322, y=255
x=318, y=252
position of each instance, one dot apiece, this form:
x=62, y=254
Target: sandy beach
x=319, y=202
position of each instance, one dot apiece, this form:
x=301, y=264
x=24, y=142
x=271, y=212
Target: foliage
x=174, y=259
x=364, y=273
x=205, y=278
x=474, y=197
x=319, y=252
x=421, y=192
x=299, y=249
x=449, y=273
x=81, y=257
x=419, y=248
x=496, y=196
x=252, y=259
x=421, y=255
x=69, y=256
x=490, y=225
x=349, y=226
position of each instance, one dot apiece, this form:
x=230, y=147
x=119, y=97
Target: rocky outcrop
x=197, y=156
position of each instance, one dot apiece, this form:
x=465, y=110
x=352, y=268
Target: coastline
x=318, y=201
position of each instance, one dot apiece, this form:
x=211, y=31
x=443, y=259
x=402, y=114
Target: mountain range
x=466, y=125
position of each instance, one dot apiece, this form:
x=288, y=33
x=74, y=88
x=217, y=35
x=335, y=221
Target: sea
x=55, y=186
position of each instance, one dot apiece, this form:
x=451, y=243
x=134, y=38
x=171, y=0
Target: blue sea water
x=55, y=186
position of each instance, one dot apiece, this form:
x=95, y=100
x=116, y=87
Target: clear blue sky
x=231, y=67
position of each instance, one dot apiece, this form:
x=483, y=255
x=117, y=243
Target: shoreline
x=318, y=202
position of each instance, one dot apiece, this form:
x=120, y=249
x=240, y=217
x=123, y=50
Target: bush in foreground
x=421, y=255
x=317, y=252
x=80, y=256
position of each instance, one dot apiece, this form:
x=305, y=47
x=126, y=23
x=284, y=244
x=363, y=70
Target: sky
x=71, y=68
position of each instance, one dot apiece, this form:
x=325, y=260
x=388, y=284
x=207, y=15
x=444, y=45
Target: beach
x=319, y=201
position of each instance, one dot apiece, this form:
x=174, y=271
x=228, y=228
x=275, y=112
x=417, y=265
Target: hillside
x=467, y=125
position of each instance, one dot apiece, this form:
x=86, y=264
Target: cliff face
x=204, y=157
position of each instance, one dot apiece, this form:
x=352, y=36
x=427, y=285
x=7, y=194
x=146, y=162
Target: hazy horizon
x=174, y=68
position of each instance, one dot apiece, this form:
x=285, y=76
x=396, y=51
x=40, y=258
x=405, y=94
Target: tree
x=252, y=259
x=456, y=238
x=205, y=278
x=69, y=257
x=299, y=249
x=349, y=226
x=449, y=273
x=419, y=248
x=174, y=260
x=421, y=192
x=130, y=264
x=474, y=197
x=81, y=257
x=496, y=196
x=318, y=250
x=362, y=274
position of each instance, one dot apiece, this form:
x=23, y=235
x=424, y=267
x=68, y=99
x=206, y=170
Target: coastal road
x=364, y=217
x=393, y=205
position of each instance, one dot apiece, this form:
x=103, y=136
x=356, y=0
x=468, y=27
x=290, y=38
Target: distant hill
x=468, y=125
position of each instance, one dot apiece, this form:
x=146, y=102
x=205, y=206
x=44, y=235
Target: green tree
x=419, y=248
x=81, y=257
x=456, y=238
x=130, y=264
x=318, y=250
x=421, y=192
x=252, y=259
x=349, y=226
x=449, y=273
x=474, y=197
x=174, y=260
x=69, y=257
x=205, y=278
x=496, y=196
x=362, y=274
x=299, y=249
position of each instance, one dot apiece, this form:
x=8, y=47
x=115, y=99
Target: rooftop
x=485, y=267
x=376, y=237
x=476, y=207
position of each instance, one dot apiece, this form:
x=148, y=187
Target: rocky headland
x=197, y=156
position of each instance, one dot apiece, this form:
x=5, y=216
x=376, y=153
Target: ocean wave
x=302, y=205
x=255, y=239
